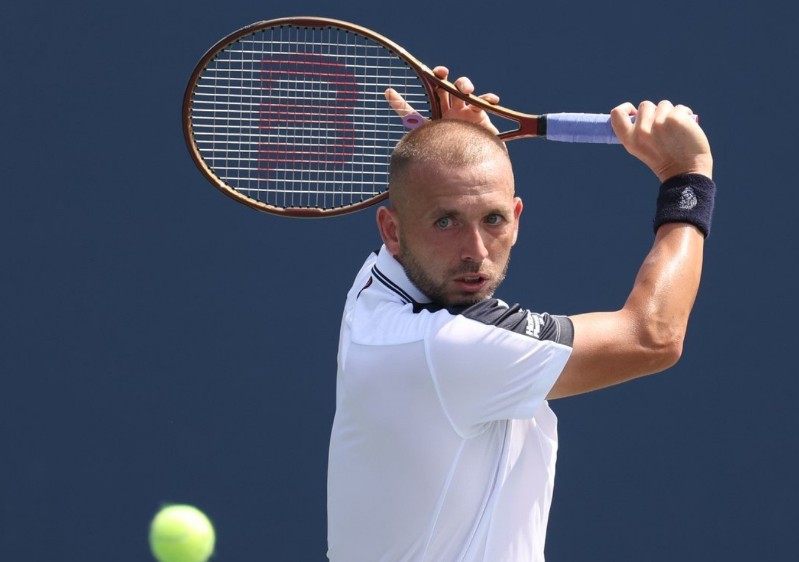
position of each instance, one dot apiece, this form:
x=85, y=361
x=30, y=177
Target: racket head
x=289, y=116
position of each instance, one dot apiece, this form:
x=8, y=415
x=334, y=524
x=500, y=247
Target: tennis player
x=443, y=445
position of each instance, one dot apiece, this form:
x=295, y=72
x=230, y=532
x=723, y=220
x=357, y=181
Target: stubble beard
x=437, y=290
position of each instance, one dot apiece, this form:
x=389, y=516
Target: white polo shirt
x=443, y=446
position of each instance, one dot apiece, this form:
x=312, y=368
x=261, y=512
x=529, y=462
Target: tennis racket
x=289, y=116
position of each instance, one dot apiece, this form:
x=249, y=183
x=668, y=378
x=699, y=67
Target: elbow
x=669, y=355
x=663, y=347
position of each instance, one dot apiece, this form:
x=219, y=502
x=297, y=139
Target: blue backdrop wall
x=161, y=343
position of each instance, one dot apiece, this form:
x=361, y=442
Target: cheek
x=427, y=252
x=434, y=254
x=503, y=240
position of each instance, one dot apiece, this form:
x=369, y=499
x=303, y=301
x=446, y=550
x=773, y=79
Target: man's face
x=455, y=229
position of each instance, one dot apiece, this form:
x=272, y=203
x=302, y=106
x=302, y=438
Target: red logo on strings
x=306, y=116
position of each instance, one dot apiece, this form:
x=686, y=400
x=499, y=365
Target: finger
x=492, y=99
x=441, y=72
x=663, y=110
x=444, y=99
x=645, y=116
x=465, y=86
x=620, y=119
x=398, y=103
x=683, y=111
x=626, y=108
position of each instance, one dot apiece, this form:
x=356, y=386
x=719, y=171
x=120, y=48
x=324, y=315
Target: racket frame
x=528, y=125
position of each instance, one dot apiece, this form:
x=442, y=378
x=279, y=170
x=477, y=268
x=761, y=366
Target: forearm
x=664, y=292
x=646, y=335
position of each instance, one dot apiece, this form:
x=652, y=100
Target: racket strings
x=296, y=118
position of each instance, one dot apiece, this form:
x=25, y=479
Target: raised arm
x=646, y=335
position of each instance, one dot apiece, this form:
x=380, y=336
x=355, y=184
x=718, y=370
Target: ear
x=388, y=225
x=518, y=207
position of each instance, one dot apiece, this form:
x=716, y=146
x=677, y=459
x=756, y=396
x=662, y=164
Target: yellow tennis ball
x=181, y=533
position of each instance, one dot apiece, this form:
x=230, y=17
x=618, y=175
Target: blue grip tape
x=580, y=127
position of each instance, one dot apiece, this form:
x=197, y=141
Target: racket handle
x=583, y=127
x=580, y=127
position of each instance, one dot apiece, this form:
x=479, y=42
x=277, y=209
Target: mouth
x=472, y=283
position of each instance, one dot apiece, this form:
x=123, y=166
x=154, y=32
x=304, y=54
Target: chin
x=470, y=299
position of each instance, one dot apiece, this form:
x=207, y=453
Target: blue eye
x=444, y=222
x=494, y=219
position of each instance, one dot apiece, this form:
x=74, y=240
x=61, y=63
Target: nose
x=473, y=247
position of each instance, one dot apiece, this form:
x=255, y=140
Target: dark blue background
x=161, y=343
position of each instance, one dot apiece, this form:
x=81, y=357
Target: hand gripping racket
x=289, y=116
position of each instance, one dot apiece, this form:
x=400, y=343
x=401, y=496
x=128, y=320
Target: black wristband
x=686, y=198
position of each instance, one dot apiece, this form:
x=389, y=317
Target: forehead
x=432, y=182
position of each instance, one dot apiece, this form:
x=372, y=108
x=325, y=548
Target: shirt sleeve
x=492, y=362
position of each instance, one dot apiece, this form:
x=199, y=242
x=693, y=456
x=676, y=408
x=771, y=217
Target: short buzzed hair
x=450, y=142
